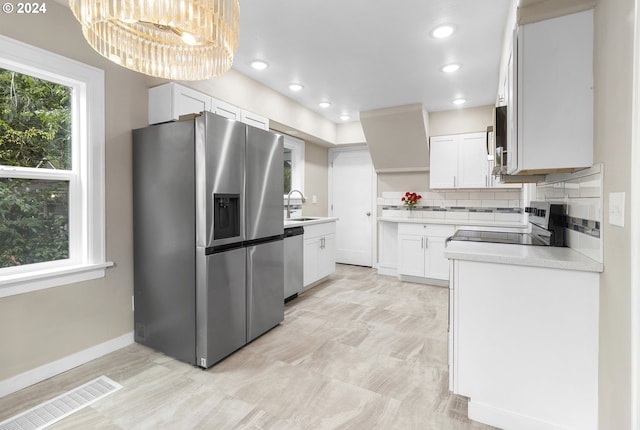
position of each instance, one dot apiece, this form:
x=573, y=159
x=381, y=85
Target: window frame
x=297, y=165
x=86, y=178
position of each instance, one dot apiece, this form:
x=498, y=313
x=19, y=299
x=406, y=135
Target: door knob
x=368, y=213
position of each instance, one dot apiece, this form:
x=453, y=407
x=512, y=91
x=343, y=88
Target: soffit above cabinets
x=398, y=138
x=530, y=11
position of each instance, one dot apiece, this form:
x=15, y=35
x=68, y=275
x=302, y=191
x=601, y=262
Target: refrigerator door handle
x=249, y=287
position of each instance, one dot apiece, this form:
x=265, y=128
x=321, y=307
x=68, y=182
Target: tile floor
x=360, y=351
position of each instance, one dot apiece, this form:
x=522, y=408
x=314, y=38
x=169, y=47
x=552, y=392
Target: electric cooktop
x=546, y=221
x=497, y=237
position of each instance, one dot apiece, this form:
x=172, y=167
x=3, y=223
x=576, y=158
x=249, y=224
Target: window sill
x=12, y=285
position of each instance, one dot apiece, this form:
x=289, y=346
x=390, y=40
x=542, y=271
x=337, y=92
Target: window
x=293, y=165
x=51, y=169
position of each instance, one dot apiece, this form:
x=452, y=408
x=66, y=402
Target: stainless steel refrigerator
x=208, y=236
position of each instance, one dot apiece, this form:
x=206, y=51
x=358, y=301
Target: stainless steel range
x=547, y=222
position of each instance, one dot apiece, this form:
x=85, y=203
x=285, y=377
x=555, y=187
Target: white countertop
x=460, y=222
x=522, y=255
x=307, y=220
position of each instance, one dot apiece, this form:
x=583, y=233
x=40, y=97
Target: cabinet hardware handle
x=454, y=182
x=426, y=242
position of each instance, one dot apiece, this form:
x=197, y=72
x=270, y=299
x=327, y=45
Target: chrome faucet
x=289, y=201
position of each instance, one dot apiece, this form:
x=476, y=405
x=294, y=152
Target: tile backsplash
x=473, y=205
x=581, y=192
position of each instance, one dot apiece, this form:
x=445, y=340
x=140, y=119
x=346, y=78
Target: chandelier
x=172, y=39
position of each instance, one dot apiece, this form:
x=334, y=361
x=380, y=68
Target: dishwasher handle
x=293, y=231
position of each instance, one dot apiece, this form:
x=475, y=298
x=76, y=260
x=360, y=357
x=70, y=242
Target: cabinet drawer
x=426, y=229
x=323, y=229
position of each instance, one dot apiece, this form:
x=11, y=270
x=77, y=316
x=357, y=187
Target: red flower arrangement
x=410, y=199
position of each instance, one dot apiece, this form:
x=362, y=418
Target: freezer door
x=221, y=318
x=219, y=164
x=265, y=287
x=264, y=184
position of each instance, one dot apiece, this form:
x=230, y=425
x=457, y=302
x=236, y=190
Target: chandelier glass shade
x=172, y=39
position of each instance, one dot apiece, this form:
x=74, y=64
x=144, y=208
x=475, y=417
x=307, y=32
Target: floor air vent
x=62, y=406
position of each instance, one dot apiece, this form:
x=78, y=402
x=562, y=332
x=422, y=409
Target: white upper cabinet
x=472, y=161
x=226, y=110
x=170, y=101
x=254, y=120
x=459, y=161
x=443, y=161
x=552, y=94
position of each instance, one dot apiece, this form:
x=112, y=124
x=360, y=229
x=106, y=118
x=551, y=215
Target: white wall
x=41, y=327
x=613, y=90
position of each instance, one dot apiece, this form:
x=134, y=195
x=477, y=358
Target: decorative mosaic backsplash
x=480, y=205
x=590, y=227
x=581, y=192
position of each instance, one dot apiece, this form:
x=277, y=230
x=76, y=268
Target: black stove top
x=497, y=237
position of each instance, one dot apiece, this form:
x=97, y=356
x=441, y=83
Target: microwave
x=500, y=136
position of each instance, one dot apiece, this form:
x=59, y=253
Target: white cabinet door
x=443, y=162
x=188, y=101
x=472, y=161
x=327, y=256
x=170, y=101
x=459, y=161
x=257, y=121
x=319, y=258
x=512, y=102
x=411, y=250
x=311, y=255
x=437, y=266
x=555, y=94
x=225, y=109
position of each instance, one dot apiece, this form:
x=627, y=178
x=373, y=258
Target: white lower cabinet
x=522, y=341
x=421, y=250
x=319, y=252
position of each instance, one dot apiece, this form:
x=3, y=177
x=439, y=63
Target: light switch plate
x=616, y=209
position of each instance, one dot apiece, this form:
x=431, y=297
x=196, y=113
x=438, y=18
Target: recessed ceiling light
x=324, y=104
x=450, y=68
x=459, y=101
x=443, y=31
x=345, y=117
x=259, y=64
x=295, y=87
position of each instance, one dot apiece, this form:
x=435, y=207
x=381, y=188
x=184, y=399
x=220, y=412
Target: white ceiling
x=368, y=54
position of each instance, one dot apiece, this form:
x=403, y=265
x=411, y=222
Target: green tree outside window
x=35, y=133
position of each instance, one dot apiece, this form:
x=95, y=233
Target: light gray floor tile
x=360, y=351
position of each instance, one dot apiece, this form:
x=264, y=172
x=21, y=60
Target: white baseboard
x=426, y=281
x=506, y=419
x=387, y=270
x=54, y=368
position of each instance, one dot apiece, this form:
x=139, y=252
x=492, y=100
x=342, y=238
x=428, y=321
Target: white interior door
x=352, y=188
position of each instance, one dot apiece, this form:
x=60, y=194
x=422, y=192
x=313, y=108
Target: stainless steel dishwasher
x=293, y=248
